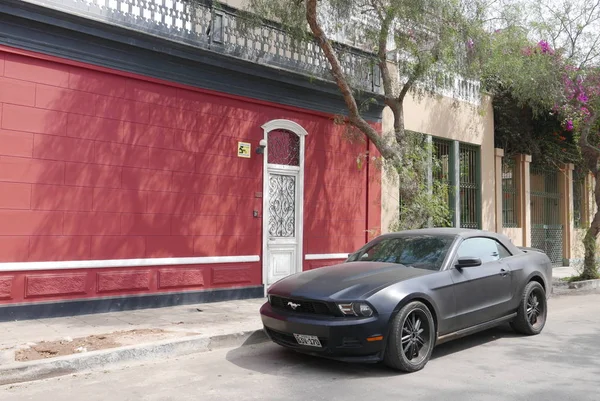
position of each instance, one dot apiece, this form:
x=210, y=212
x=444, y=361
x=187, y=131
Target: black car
x=404, y=293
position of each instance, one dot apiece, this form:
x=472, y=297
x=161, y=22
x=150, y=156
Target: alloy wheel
x=535, y=309
x=415, y=337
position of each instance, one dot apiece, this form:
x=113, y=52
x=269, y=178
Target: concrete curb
x=585, y=285
x=18, y=372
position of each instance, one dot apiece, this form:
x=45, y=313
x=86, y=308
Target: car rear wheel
x=532, y=312
x=412, y=338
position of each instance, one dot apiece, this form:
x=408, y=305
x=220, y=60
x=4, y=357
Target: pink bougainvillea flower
x=545, y=47
x=582, y=98
x=569, y=125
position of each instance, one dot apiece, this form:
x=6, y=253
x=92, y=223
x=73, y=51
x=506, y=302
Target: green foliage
x=519, y=131
x=421, y=203
x=513, y=65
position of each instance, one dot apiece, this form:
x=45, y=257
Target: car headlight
x=356, y=309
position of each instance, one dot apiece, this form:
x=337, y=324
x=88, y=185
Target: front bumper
x=341, y=338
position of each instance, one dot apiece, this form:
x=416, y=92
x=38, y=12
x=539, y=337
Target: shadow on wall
x=335, y=215
x=105, y=167
x=102, y=167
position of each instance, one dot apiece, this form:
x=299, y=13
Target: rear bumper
x=341, y=338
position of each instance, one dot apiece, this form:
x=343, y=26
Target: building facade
x=155, y=153
x=133, y=165
x=543, y=207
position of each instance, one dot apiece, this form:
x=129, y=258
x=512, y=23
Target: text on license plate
x=311, y=341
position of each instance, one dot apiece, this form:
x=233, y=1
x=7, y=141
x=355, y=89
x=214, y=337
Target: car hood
x=345, y=281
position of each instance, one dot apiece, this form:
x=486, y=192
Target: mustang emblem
x=293, y=305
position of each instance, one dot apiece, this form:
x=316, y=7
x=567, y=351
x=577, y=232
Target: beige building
x=462, y=131
x=534, y=207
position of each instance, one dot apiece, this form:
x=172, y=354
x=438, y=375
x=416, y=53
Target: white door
x=282, y=235
x=283, y=198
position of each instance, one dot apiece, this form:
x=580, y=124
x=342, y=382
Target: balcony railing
x=221, y=29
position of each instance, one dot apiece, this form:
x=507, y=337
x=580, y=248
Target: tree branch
x=342, y=83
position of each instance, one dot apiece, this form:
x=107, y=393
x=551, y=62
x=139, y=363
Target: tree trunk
x=591, y=155
x=398, y=111
x=590, y=269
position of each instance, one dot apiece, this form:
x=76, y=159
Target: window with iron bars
x=441, y=165
x=469, y=186
x=509, y=193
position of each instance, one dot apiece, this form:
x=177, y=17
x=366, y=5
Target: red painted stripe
x=69, y=284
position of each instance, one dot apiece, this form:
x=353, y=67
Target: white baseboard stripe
x=101, y=264
x=324, y=256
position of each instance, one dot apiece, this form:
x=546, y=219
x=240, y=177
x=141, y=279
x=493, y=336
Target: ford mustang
x=403, y=293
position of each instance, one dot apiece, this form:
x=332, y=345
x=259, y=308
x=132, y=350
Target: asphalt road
x=562, y=363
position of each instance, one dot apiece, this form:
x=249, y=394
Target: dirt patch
x=52, y=349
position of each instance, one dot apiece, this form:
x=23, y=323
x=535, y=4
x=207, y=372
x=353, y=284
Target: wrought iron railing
x=223, y=30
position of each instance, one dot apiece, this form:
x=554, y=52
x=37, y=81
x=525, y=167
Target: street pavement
x=562, y=363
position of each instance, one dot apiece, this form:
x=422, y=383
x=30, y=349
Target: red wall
x=97, y=165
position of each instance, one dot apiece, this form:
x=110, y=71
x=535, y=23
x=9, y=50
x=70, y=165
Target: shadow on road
x=275, y=360
x=472, y=341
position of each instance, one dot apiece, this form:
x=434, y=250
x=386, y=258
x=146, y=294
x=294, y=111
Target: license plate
x=311, y=341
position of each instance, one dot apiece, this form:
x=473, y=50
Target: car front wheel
x=412, y=338
x=532, y=312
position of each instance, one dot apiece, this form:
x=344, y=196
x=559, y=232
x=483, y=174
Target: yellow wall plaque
x=244, y=149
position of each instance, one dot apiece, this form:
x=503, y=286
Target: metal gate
x=470, y=194
x=546, y=227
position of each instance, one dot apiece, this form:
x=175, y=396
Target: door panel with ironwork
x=546, y=227
x=282, y=242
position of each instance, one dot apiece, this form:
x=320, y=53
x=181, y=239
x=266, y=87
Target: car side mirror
x=461, y=263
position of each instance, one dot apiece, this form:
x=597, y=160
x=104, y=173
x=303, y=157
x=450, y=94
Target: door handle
x=503, y=272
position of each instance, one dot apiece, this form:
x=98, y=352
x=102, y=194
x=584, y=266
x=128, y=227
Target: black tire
x=532, y=311
x=412, y=333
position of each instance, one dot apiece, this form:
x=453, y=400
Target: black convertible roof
x=461, y=232
x=456, y=232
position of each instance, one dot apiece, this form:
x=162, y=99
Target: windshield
x=419, y=251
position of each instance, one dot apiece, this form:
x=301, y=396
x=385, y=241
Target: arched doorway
x=283, y=199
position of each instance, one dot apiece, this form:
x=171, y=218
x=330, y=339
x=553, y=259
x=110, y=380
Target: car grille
x=311, y=307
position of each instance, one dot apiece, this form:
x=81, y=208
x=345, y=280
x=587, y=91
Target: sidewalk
x=211, y=319
x=34, y=349
x=563, y=272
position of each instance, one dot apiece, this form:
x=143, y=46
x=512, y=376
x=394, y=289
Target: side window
x=502, y=251
x=485, y=249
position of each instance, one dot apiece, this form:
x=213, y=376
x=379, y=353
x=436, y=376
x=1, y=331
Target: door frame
x=291, y=126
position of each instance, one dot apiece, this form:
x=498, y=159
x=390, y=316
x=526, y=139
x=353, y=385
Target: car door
x=484, y=292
